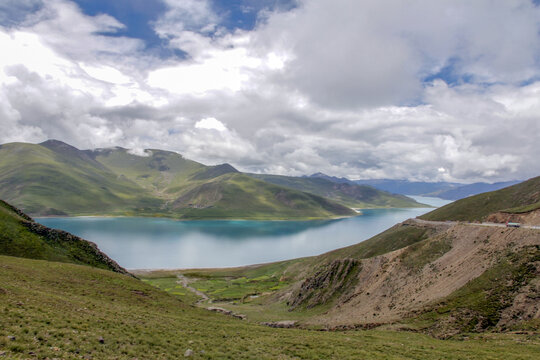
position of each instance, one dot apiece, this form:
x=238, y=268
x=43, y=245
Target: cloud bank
x=424, y=90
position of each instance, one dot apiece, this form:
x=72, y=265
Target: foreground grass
x=58, y=310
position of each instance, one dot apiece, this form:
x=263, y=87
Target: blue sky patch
x=139, y=15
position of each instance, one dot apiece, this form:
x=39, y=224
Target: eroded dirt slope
x=528, y=218
x=406, y=282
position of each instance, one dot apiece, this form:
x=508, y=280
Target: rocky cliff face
x=329, y=283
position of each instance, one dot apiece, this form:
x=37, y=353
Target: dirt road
x=429, y=222
x=182, y=280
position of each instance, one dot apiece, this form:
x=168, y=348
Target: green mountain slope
x=57, y=179
x=519, y=198
x=21, y=236
x=348, y=194
x=240, y=196
x=197, y=191
x=54, y=178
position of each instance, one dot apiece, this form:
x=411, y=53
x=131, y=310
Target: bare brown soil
x=402, y=283
x=529, y=218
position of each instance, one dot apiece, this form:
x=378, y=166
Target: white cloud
x=221, y=70
x=210, y=123
x=333, y=86
x=140, y=152
x=185, y=15
x=106, y=73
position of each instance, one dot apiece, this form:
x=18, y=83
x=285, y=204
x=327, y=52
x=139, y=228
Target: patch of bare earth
x=401, y=283
x=528, y=218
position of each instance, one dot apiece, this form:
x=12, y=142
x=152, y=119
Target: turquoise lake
x=153, y=243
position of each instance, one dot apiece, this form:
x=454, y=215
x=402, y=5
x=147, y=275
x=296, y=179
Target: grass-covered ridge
x=519, y=198
x=21, y=236
x=348, y=194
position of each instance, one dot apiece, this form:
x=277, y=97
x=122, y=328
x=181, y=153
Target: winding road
x=490, y=224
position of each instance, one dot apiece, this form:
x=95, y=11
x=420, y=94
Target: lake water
x=153, y=243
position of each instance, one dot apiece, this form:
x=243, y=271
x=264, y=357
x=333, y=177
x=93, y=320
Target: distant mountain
x=406, y=187
x=520, y=198
x=54, y=178
x=341, y=190
x=464, y=191
x=320, y=175
x=443, y=190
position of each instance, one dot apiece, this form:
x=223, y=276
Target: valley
x=275, y=179
x=446, y=289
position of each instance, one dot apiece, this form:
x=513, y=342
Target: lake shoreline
x=151, y=243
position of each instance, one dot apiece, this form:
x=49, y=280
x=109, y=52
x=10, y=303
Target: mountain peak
x=215, y=171
x=335, y=179
x=54, y=144
x=69, y=151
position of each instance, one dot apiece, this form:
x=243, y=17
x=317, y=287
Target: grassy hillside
x=348, y=194
x=54, y=178
x=518, y=198
x=160, y=172
x=21, y=236
x=240, y=196
x=55, y=310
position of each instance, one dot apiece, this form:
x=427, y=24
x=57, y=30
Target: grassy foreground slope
x=57, y=310
x=349, y=194
x=523, y=197
x=21, y=236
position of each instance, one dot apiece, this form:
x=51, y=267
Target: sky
x=445, y=90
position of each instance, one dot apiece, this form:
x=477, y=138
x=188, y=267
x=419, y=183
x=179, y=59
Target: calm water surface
x=150, y=243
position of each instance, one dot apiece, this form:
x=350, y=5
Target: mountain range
x=442, y=189
x=54, y=178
